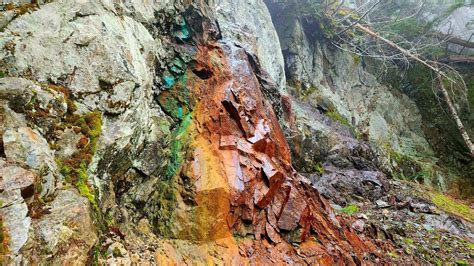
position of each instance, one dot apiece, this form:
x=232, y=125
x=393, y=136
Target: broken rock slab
x=13, y=209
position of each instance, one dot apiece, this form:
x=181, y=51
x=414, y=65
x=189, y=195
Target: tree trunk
x=455, y=115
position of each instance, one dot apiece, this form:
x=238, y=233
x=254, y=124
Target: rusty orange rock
x=241, y=168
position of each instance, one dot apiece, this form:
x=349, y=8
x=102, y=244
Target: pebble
x=359, y=225
x=382, y=204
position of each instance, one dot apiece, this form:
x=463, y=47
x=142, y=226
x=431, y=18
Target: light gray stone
x=14, y=214
x=382, y=204
x=14, y=177
x=99, y=46
x=26, y=146
x=69, y=222
x=118, y=255
x=248, y=23
x=67, y=143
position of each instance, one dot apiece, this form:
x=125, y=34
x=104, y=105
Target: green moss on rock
x=452, y=206
x=165, y=202
x=335, y=116
x=75, y=168
x=349, y=210
x=318, y=168
x=3, y=241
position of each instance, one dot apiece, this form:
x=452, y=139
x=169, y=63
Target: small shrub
x=349, y=209
x=461, y=263
x=318, y=168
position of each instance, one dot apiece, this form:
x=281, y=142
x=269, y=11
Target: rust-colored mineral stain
x=243, y=171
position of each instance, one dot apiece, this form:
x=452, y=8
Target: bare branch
x=360, y=19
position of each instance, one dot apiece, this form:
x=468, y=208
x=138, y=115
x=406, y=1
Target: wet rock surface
x=342, y=88
x=149, y=133
x=349, y=176
x=419, y=228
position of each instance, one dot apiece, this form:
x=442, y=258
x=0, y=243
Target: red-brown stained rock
x=247, y=214
x=231, y=164
x=315, y=254
x=228, y=142
x=259, y=193
x=279, y=201
x=292, y=211
x=271, y=173
x=259, y=225
x=268, y=197
x=244, y=135
x=305, y=222
x=244, y=147
x=272, y=233
x=260, y=134
x=269, y=148
x=260, y=145
x=234, y=109
x=234, y=216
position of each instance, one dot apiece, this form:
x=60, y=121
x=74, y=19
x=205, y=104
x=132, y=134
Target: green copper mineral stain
x=180, y=140
x=168, y=81
x=182, y=32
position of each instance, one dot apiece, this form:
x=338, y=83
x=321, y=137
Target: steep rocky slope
x=340, y=85
x=163, y=132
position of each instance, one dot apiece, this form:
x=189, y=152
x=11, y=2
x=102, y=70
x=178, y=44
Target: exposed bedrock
x=163, y=132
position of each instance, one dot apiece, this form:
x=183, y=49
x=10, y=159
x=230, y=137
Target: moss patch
x=349, y=210
x=164, y=199
x=335, y=116
x=461, y=263
x=318, y=168
x=3, y=241
x=339, y=118
x=407, y=167
x=165, y=202
x=357, y=59
x=452, y=206
x=75, y=168
x=306, y=92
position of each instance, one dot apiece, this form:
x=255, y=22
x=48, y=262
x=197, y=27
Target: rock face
x=337, y=83
x=226, y=162
x=14, y=210
x=240, y=167
x=140, y=132
x=248, y=24
x=36, y=208
x=461, y=26
x=339, y=88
